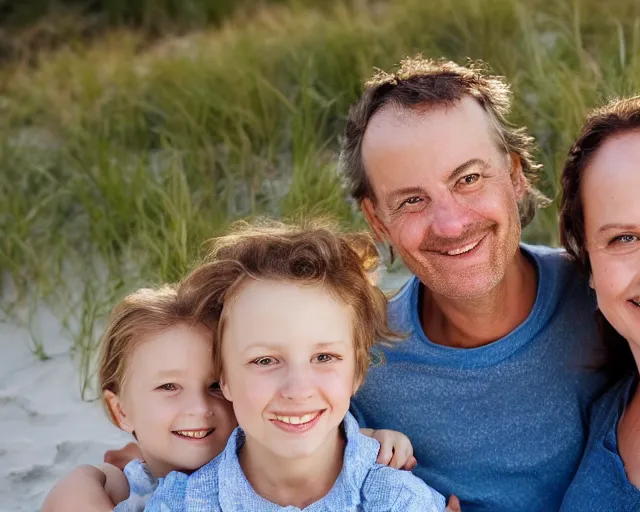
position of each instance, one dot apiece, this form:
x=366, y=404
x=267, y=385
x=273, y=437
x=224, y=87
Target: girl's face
x=171, y=401
x=611, y=196
x=289, y=367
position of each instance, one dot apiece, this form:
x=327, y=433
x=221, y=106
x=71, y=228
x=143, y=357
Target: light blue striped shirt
x=363, y=485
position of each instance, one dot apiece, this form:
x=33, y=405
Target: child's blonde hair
x=135, y=318
x=315, y=253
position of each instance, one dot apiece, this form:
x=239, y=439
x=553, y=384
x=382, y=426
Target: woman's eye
x=168, y=387
x=215, y=386
x=264, y=361
x=625, y=239
x=469, y=179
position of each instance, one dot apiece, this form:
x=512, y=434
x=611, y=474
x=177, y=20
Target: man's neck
x=297, y=482
x=471, y=323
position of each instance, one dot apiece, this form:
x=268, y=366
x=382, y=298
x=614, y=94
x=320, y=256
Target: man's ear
x=370, y=214
x=517, y=176
x=117, y=411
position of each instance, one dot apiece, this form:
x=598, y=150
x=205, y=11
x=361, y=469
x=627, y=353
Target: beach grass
x=122, y=153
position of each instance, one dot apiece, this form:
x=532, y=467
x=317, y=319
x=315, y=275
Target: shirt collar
x=360, y=455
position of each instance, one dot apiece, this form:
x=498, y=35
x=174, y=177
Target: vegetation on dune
x=122, y=153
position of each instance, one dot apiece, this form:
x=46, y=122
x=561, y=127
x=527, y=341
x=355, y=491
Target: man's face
x=445, y=195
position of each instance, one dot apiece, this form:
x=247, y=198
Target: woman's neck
x=629, y=430
x=297, y=482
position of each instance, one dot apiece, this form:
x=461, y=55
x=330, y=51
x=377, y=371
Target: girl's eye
x=469, y=179
x=324, y=358
x=625, y=239
x=168, y=387
x=264, y=361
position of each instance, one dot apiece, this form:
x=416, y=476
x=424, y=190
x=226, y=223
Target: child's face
x=289, y=366
x=609, y=191
x=170, y=400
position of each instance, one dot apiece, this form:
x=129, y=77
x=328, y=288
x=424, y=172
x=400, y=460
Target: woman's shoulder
x=606, y=410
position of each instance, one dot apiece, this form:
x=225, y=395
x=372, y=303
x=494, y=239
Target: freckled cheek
x=408, y=233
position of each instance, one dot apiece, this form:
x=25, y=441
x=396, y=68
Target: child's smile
x=296, y=423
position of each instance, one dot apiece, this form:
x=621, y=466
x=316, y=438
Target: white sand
x=46, y=429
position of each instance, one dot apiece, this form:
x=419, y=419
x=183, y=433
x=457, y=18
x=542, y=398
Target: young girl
x=157, y=376
x=600, y=227
x=297, y=319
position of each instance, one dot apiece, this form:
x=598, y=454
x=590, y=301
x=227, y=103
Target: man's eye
x=412, y=201
x=168, y=387
x=469, y=179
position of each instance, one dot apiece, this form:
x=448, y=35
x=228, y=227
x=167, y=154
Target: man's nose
x=449, y=218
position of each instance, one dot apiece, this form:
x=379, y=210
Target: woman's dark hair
x=617, y=117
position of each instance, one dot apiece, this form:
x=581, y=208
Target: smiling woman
x=600, y=227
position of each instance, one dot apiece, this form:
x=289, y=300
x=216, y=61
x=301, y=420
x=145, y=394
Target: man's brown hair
x=315, y=254
x=421, y=82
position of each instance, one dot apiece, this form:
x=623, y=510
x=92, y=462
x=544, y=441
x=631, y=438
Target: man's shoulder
x=550, y=256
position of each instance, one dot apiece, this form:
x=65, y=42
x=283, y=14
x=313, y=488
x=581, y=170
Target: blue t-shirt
x=501, y=426
x=362, y=485
x=601, y=483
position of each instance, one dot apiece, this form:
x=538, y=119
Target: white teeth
x=462, y=250
x=296, y=420
x=194, y=434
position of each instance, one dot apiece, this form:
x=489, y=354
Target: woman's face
x=610, y=193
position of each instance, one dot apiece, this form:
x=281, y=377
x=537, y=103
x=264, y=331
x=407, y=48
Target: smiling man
x=493, y=382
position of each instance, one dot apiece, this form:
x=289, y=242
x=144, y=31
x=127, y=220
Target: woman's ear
x=117, y=412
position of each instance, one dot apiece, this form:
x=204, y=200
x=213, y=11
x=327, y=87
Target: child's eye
x=168, y=387
x=215, y=387
x=324, y=358
x=264, y=361
x=469, y=179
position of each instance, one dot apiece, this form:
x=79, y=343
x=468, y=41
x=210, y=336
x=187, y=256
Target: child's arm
x=88, y=489
x=396, y=450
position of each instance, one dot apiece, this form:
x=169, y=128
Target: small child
x=297, y=319
x=157, y=377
